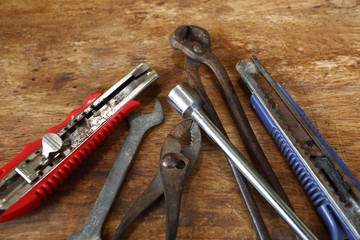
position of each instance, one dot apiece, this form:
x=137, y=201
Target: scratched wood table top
x=54, y=54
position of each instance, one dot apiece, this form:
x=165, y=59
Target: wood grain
x=54, y=54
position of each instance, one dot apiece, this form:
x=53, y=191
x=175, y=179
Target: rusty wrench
x=176, y=162
x=195, y=43
x=139, y=125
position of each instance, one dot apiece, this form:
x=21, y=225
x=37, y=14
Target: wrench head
x=147, y=120
x=86, y=234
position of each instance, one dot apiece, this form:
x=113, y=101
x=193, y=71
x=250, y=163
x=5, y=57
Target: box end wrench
x=139, y=125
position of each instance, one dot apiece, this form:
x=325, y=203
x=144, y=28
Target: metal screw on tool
x=169, y=161
x=186, y=101
x=198, y=48
x=51, y=143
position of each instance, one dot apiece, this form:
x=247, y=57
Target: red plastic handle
x=33, y=198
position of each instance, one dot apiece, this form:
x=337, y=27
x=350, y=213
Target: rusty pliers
x=194, y=41
x=176, y=162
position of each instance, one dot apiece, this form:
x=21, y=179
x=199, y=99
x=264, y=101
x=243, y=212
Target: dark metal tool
x=333, y=189
x=195, y=43
x=176, y=162
x=139, y=125
x=188, y=103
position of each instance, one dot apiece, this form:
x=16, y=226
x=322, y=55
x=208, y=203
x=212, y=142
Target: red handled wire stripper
x=42, y=165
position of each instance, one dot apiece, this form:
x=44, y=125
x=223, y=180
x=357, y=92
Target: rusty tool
x=176, y=162
x=333, y=189
x=139, y=125
x=195, y=43
x=188, y=104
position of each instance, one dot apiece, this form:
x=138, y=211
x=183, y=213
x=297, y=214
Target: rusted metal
x=332, y=188
x=192, y=71
x=195, y=43
x=140, y=124
x=176, y=162
x=188, y=103
x=179, y=39
x=305, y=140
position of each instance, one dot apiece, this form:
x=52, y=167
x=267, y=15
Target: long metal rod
x=252, y=176
x=192, y=72
x=252, y=145
x=185, y=100
x=194, y=41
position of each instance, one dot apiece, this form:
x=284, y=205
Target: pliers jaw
x=189, y=33
x=176, y=162
x=193, y=41
x=174, y=154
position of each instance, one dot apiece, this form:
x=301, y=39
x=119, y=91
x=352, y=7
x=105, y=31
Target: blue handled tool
x=333, y=189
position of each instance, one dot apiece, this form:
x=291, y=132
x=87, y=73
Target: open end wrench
x=139, y=125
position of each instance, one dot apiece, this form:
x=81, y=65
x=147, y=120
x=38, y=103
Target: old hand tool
x=139, y=125
x=333, y=189
x=191, y=40
x=176, y=162
x=186, y=101
x=195, y=43
x=42, y=165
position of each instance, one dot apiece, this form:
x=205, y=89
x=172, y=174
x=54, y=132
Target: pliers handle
x=176, y=162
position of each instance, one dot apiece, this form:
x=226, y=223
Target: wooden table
x=54, y=54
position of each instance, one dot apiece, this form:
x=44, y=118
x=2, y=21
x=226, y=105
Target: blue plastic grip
x=336, y=226
x=338, y=159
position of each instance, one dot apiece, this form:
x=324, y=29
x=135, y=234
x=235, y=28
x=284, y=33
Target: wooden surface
x=54, y=54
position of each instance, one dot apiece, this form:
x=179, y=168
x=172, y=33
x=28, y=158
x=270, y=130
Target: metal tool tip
x=247, y=66
x=184, y=99
x=158, y=112
x=140, y=69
